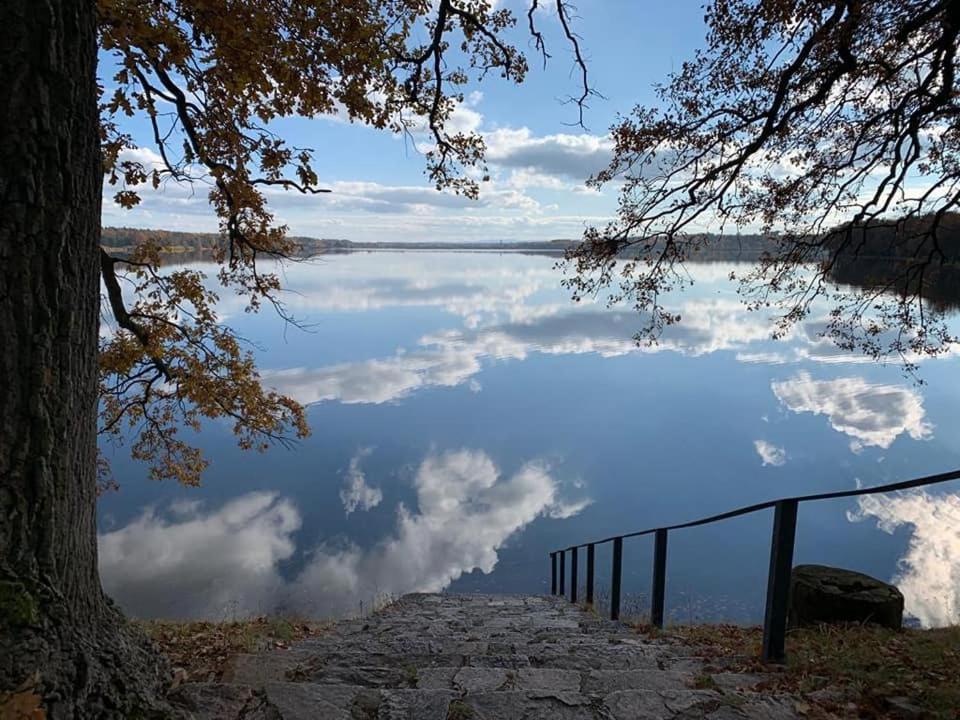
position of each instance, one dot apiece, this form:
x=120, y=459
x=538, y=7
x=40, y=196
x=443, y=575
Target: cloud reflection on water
x=872, y=414
x=510, y=310
x=449, y=358
x=227, y=561
x=929, y=572
x=197, y=564
x=769, y=453
x=356, y=493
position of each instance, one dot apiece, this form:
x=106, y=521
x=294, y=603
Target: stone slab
x=530, y=706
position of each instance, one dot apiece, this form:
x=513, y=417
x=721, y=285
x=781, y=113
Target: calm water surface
x=467, y=419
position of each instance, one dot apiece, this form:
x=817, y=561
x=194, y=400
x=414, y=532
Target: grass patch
x=410, y=675
x=590, y=608
x=203, y=649
x=847, y=670
x=459, y=710
x=704, y=681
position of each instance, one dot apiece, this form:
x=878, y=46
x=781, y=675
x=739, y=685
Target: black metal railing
x=781, y=559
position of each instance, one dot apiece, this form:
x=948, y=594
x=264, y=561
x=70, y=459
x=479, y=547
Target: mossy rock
x=823, y=594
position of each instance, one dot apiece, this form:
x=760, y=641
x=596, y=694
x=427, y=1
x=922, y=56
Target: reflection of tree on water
x=894, y=256
x=939, y=285
x=903, y=258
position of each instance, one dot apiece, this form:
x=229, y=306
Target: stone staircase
x=482, y=657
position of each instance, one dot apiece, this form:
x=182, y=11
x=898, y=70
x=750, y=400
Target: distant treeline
x=125, y=239
x=740, y=247
x=901, y=257
x=899, y=240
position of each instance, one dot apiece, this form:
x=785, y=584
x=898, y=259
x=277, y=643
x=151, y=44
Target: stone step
x=467, y=644
x=467, y=630
x=532, y=705
x=495, y=679
x=442, y=657
x=258, y=670
x=497, y=628
x=310, y=662
x=312, y=701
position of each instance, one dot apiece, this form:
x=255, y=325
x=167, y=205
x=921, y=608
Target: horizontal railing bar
x=892, y=487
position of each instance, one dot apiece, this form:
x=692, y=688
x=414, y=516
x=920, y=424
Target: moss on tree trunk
x=55, y=622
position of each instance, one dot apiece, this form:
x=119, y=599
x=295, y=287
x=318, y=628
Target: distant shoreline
x=183, y=245
x=175, y=242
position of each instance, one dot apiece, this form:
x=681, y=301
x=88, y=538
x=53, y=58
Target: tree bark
x=56, y=624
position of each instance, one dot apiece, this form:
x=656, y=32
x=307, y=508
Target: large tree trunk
x=55, y=622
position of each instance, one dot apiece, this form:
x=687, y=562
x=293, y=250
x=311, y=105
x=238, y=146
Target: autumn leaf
x=24, y=703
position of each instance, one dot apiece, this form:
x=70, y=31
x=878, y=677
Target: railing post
x=659, y=578
x=778, y=581
x=563, y=571
x=574, y=553
x=553, y=573
x=590, y=553
x=615, y=578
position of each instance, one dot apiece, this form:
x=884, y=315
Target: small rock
x=179, y=677
x=211, y=701
x=831, y=696
x=903, y=708
x=731, y=681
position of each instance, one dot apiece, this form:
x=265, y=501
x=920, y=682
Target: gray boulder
x=821, y=594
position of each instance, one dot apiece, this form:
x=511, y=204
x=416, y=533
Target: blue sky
x=538, y=158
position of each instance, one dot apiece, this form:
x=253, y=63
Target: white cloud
x=522, y=178
x=355, y=493
x=465, y=118
x=185, y=206
x=501, y=213
x=226, y=561
x=769, y=453
x=149, y=158
x=872, y=414
x=574, y=157
x=928, y=574
x=375, y=197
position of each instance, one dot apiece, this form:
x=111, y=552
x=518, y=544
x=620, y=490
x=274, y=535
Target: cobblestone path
x=482, y=657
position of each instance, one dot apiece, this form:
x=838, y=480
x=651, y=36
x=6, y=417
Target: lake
x=468, y=419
